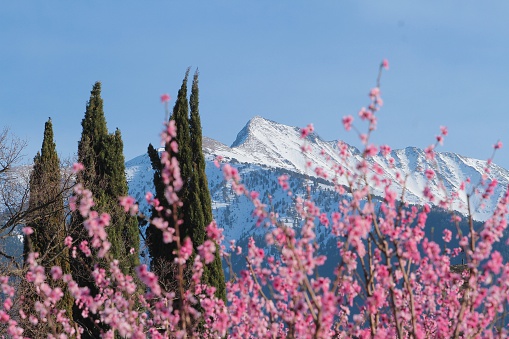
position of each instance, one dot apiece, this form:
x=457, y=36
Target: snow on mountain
x=265, y=149
x=266, y=143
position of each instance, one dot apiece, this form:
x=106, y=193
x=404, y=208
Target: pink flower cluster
x=171, y=169
x=388, y=280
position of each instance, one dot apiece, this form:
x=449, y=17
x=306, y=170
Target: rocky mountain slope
x=264, y=149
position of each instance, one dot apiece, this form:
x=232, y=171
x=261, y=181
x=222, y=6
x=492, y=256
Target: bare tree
x=14, y=198
x=14, y=188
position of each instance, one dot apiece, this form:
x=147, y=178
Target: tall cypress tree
x=213, y=273
x=162, y=255
x=184, y=156
x=104, y=174
x=48, y=224
x=196, y=209
x=126, y=225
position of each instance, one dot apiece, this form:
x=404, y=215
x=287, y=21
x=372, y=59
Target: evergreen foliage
x=159, y=251
x=161, y=254
x=48, y=223
x=104, y=174
x=184, y=157
x=196, y=209
x=213, y=273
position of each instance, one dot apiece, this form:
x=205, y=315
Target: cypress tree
x=104, y=174
x=162, y=255
x=158, y=250
x=123, y=232
x=184, y=156
x=48, y=224
x=213, y=273
x=196, y=209
x=197, y=149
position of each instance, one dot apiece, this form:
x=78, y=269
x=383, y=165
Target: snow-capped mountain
x=264, y=149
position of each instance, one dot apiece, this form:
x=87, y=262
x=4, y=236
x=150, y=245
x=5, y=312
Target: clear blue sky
x=294, y=62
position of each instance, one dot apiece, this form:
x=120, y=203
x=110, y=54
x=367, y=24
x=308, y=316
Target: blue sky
x=294, y=62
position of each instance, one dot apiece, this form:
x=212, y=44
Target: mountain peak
x=263, y=143
x=257, y=119
x=255, y=125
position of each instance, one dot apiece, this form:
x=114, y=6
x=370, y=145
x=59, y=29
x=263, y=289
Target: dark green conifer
x=160, y=252
x=184, y=156
x=197, y=149
x=125, y=227
x=162, y=255
x=196, y=209
x=104, y=174
x=48, y=223
x=213, y=273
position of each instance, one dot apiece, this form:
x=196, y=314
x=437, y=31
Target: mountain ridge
x=270, y=149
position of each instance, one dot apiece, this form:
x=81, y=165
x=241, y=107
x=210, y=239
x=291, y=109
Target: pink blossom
x=306, y=148
x=430, y=174
x=165, y=98
x=149, y=279
x=324, y=220
x=385, y=64
x=455, y=218
x=174, y=147
x=185, y=251
x=347, y=122
x=447, y=235
x=320, y=172
x=498, y=145
x=496, y=262
x=364, y=138
x=430, y=152
x=386, y=150
x=207, y=250
x=129, y=204
x=168, y=235
x=85, y=249
x=304, y=132
x=214, y=233
x=160, y=223
x=103, y=249
x=68, y=241
x=374, y=93
x=77, y=167
x=33, y=319
x=4, y=317
x=231, y=173
x=283, y=182
x=126, y=202
x=428, y=194
x=172, y=129
x=390, y=196
x=104, y=220
x=370, y=150
x=28, y=230
x=7, y=304
x=72, y=203
x=56, y=272
x=365, y=114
